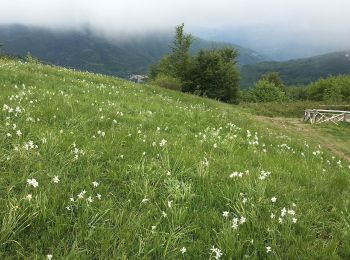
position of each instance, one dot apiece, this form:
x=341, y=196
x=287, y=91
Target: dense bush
x=274, y=77
x=265, y=91
x=296, y=93
x=167, y=81
x=332, y=90
x=335, y=89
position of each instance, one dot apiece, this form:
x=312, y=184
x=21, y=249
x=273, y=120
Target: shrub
x=296, y=93
x=334, y=89
x=167, y=81
x=274, y=77
x=265, y=91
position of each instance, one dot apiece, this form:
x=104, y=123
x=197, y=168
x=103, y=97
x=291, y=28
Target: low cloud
x=312, y=19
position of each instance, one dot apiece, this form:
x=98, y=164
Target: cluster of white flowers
x=317, y=153
x=101, y=133
x=238, y=221
x=30, y=145
x=33, y=182
x=239, y=174
x=252, y=140
x=217, y=253
x=163, y=142
x=264, y=174
x=287, y=213
x=286, y=147
x=76, y=152
x=18, y=110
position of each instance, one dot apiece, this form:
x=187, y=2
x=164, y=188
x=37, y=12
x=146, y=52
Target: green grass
x=281, y=109
x=139, y=179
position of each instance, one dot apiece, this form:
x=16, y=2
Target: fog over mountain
x=280, y=29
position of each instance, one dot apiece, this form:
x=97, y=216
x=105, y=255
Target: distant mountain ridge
x=85, y=50
x=299, y=71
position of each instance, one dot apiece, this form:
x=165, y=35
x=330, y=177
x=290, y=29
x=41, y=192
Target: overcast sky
x=315, y=19
x=121, y=15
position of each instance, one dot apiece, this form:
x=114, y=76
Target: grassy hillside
x=301, y=71
x=93, y=167
x=85, y=50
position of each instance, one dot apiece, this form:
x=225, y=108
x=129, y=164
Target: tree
x=274, y=77
x=179, y=57
x=175, y=64
x=210, y=73
x=214, y=75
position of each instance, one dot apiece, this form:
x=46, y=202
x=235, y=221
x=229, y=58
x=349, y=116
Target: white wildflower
x=163, y=142
x=29, y=197
x=225, y=214
x=217, y=252
x=33, y=182
x=55, y=179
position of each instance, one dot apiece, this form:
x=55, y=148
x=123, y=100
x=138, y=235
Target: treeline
x=214, y=74
x=300, y=71
x=209, y=73
x=271, y=88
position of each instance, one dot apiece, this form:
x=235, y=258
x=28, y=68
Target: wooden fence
x=318, y=116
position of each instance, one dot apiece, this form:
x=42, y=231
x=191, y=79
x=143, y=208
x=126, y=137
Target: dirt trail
x=297, y=126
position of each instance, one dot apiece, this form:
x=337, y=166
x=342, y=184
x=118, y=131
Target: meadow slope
x=93, y=167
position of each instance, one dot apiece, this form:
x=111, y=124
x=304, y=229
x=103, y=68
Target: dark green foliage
x=214, y=75
x=296, y=93
x=177, y=63
x=335, y=89
x=30, y=58
x=164, y=66
x=265, y=91
x=274, y=78
x=301, y=71
x=210, y=73
x=167, y=81
x=180, y=57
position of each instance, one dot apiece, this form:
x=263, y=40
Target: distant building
x=138, y=78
